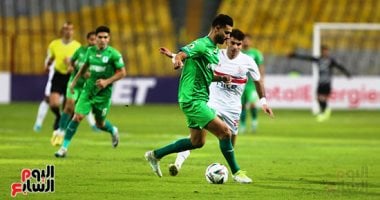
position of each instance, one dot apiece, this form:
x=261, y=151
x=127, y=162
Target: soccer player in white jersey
x=226, y=98
x=44, y=105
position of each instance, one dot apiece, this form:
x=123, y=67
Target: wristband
x=263, y=101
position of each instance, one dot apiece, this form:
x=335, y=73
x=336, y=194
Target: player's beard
x=219, y=39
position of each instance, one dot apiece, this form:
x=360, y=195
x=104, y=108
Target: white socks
x=91, y=119
x=41, y=114
x=181, y=157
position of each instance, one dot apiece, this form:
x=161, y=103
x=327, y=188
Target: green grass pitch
x=290, y=157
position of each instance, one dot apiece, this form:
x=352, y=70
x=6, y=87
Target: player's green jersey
x=197, y=73
x=256, y=55
x=259, y=59
x=78, y=59
x=102, y=65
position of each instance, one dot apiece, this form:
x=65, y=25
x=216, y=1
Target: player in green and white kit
x=249, y=96
x=200, y=58
x=71, y=98
x=106, y=66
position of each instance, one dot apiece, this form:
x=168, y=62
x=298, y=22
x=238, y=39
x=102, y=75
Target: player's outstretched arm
x=176, y=58
x=342, y=68
x=261, y=92
x=302, y=57
x=165, y=51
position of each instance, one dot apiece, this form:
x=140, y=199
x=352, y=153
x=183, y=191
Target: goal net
x=355, y=45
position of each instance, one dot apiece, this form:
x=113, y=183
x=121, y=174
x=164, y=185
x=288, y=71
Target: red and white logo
x=34, y=181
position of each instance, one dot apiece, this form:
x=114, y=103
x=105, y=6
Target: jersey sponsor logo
x=212, y=52
x=105, y=59
x=226, y=86
x=97, y=68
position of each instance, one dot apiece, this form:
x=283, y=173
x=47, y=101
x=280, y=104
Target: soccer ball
x=216, y=173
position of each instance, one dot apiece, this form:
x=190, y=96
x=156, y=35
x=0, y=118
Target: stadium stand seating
x=139, y=28
x=281, y=26
x=289, y=23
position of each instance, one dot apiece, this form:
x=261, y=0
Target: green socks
x=63, y=122
x=69, y=133
x=243, y=116
x=228, y=153
x=108, y=127
x=185, y=144
x=175, y=147
x=253, y=113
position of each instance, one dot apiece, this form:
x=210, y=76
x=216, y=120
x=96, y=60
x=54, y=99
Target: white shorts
x=48, y=84
x=231, y=119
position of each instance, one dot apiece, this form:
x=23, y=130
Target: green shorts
x=75, y=96
x=98, y=104
x=249, y=96
x=197, y=113
x=77, y=89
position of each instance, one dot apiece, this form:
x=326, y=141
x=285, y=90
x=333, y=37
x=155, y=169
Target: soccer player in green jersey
x=200, y=58
x=249, y=97
x=106, y=66
x=68, y=111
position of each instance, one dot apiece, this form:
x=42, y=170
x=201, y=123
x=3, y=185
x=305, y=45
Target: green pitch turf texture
x=290, y=157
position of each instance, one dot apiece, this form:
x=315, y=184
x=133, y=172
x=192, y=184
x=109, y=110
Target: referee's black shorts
x=324, y=89
x=59, y=83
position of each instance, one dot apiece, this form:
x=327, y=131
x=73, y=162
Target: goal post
x=352, y=30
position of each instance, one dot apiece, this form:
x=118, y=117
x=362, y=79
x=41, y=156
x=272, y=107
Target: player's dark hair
x=89, y=34
x=222, y=20
x=237, y=34
x=102, y=29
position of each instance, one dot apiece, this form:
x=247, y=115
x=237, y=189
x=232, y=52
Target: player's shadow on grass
x=338, y=187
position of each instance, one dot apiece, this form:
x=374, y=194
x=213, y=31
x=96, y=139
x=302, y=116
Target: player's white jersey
x=226, y=98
